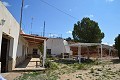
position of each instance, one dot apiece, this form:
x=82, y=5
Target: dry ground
x=105, y=70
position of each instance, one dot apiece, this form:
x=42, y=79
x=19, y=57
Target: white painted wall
x=22, y=42
x=20, y=55
x=67, y=48
x=57, y=46
x=11, y=28
x=31, y=47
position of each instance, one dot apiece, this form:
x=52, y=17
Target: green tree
x=87, y=31
x=68, y=39
x=117, y=44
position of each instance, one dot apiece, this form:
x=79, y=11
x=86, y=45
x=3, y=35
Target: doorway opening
x=35, y=51
x=4, y=54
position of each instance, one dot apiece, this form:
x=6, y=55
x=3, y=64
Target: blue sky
x=105, y=12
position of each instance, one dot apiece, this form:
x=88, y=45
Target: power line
x=59, y=9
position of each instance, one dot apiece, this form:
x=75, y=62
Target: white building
x=14, y=47
x=56, y=46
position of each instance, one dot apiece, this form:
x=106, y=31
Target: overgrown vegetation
x=58, y=67
x=51, y=65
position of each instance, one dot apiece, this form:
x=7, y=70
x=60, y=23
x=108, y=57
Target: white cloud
x=26, y=6
x=6, y=4
x=90, y=16
x=69, y=32
x=110, y=0
x=70, y=10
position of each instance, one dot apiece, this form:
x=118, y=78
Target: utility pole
x=21, y=14
x=44, y=29
x=31, y=24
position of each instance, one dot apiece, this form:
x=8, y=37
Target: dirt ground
x=11, y=75
x=106, y=71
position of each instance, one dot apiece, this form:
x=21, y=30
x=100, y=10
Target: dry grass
x=71, y=70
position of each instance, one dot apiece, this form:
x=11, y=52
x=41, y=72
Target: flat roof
x=91, y=44
x=85, y=44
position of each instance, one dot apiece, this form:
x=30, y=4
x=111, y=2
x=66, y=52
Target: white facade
x=57, y=46
x=22, y=50
x=16, y=46
x=11, y=29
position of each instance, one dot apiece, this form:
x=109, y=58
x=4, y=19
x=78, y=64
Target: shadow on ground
x=115, y=61
x=65, y=61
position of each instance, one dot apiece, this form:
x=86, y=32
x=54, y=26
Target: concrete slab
x=32, y=64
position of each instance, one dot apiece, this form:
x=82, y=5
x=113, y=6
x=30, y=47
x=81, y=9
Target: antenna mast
x=31, y=24
x=44, y=29
x=21, y=14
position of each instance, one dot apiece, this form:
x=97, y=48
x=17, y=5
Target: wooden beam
x=29, y=37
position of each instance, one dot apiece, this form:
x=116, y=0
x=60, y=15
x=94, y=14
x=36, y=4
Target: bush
x=51, y=65
x=79, y=66
x=92, y=70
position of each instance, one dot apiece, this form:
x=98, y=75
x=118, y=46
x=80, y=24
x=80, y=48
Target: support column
x=98, y=52
x=44, y=54
x=101, y=51
x=79, y=53
x=109, y=51
x=63, y=55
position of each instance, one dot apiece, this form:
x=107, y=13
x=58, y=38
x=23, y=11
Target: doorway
x=4, y=54
x=35, y=51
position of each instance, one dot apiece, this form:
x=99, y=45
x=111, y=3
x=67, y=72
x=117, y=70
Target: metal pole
x=31, y=24
x=21, y=14
x=44, y=29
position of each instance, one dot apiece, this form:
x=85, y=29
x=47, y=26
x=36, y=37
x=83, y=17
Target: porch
x=98, y=52
x=33, y=54
x=32, y=63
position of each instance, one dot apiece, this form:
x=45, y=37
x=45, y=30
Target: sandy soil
x=100, y=72
x=11, y=75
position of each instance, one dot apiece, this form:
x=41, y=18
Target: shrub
x=79, y=66
x=51, y=65
x=92, y=70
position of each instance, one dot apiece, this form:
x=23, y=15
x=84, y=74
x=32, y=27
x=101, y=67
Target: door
x=35, y=51
x=4, y=55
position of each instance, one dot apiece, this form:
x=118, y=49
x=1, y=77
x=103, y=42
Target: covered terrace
x=35, y=58
x=34, y=40
x=99, y=46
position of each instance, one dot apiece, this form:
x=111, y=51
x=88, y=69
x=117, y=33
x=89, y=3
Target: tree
x=117, y=44
x=68, y=39
x=87, y=31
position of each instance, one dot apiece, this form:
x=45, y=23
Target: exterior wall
x=31, y=47
x=10, y=28
x=67, y=48
x=57, y=46
x=21, y=54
